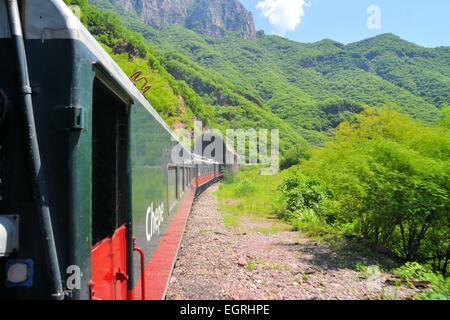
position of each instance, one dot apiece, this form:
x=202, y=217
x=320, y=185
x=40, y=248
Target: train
x=92, y=205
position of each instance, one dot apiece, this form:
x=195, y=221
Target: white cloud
x=283, y=15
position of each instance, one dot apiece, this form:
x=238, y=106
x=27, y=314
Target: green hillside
x=306, y=90
x=182, y=90
x=313, y=87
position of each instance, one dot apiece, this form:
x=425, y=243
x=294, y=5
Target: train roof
x=53, y=19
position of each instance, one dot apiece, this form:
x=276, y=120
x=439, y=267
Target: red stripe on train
x=159, y=269
x=109, y=269
x=204, y=179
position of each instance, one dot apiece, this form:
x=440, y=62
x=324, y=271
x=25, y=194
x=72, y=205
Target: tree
x=391, y=176
x=445, y=121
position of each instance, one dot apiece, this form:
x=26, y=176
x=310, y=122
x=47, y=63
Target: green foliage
x=181, y=87
x=419, y=70
x=312, y=224
x=388, y=177
x=259, y=205
x=245, y=187
x=161, y=95
x=228, y=176
x=108, y=28
x=299, y=194
x=172, y=98
x=291, y=157
x=313, y=87
x=380, y=174
x=445, y=121
x=369, y=271
x=252, y=266
x=305, y=90
x=413, y=271
x=236, y=199
x=301, y=201
x=440, y=287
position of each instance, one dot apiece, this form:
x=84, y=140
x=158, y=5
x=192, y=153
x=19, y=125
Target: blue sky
x=425, y=22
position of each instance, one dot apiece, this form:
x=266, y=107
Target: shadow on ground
x=338, y=254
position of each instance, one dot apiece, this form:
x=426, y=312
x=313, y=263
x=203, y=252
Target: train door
x=110, y=195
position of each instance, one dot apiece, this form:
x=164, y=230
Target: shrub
x=440, y=287
x=245, y=187
x=445, y=121
x=300, y=193
x=313, y=225
x=228, y=176
x=388, y=177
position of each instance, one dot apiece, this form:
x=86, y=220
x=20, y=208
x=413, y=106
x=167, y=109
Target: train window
x=180, y=181
x=172, y=185
x=110, y=183
x=182, y=178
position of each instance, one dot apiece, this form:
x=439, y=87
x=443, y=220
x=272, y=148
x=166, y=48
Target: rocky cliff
x=210, y=17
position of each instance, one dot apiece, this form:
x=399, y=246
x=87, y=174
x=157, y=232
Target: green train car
x=92, y=205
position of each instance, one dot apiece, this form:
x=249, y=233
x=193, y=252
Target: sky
x=425, y=22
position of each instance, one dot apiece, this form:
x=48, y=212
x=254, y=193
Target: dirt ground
x=217, y=262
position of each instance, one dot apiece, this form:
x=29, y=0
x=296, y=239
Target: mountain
x=176, y=100
x=313, y=87
x=210, y=17
x=303, y=89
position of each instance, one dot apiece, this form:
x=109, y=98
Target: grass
x=277, y=266
x=249, y=194
x=253, y=265
x=367, y=272
x=231, y=220
x=314, y=227
x=262, y=261
x=206, y=230
x=272, y=229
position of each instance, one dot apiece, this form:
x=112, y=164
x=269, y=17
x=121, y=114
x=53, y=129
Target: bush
x=108, y=28
x=440, y=287
x=228, y=176
x=300, y=193
x=445, y=121
x=290, y=158
x=312, y=224
x=388, y=178
x=245, y=187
